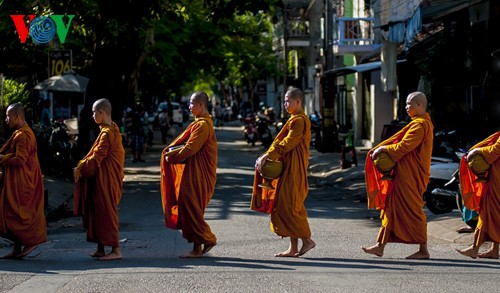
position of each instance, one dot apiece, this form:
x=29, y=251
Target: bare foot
x=27, y=250
x=308, y=245
x=470, y=252
x=208, y=247
x=419, y=255
x=192, y=254
x=489, y=254
x=97, y=254
x=466, y=229
x=111, y=256
x=288, y=253
x=375, y=249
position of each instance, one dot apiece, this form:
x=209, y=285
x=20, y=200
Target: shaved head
x=419, y=98
x=201, y=97
x=17, y=109
x=103, y=105
x=296, y=94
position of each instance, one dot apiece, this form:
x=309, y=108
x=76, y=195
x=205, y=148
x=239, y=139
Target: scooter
x=440, y=196
x=263, y=130
x=451, y=189
x=250, y=129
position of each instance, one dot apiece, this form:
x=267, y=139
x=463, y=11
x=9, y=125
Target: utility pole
x=328, y=86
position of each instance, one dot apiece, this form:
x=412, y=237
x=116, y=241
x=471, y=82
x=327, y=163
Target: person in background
x=218, y=115
x=164, y=123
x=46, y=117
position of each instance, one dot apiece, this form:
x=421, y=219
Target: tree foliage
x=15, y=92
x=140, y=49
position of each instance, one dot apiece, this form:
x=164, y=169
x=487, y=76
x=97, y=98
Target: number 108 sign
x=60, y=61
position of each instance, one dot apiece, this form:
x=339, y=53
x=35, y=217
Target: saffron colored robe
x=188, y=181
x=291, y=146
x=484, y=197
x=99, y=187
x=401, y=199
x=22, y=218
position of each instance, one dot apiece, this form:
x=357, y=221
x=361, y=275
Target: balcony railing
x=298, y=33
x=353, y=35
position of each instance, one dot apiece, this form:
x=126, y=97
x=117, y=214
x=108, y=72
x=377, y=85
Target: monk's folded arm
x=410, y=141
x=21, y=155
x=492, y=152
x=293, y=138
x=198, y=137
x=180, y=139
x=100, y=152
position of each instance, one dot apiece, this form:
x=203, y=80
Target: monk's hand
x=378, y=151
x=260, y=162
x=472, y=153
x=166, y=159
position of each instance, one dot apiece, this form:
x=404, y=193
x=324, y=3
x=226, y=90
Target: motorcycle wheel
x=437, y=204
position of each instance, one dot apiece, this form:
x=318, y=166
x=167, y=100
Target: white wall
x=382, y=108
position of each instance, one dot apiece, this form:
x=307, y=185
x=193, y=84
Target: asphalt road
x=243, y=259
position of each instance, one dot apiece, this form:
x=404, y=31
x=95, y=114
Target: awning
x=436, y=9
x=370, y=66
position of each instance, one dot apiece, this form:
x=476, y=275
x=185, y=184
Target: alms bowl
x=272, y=169
x=478, y=164
x=383, y=162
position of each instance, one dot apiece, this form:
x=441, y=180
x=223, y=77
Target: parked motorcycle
x=316, y=130
x=451, y=189
x=263, y=130
x=250, y=129
x=442, y=169
x=57, y=147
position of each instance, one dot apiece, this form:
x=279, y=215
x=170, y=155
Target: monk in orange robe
x=483, y=197
x=291, y=146
x=400, y=199
x=22, y=218
x=188, y=177
x=98, y=185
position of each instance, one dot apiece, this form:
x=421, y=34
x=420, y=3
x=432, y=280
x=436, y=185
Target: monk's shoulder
x=202, y=124
x=423, y=126
x=21, y=134
x=108, y=134
x=421, y=123
x=298, y=121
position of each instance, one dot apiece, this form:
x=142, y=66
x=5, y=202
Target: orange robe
x=291, y=146
x=401, y=199
x=188, y=181
x=484, y=197
x=22, y=218
x=98, y=187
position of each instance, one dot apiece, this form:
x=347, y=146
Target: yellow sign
x=60, y=61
